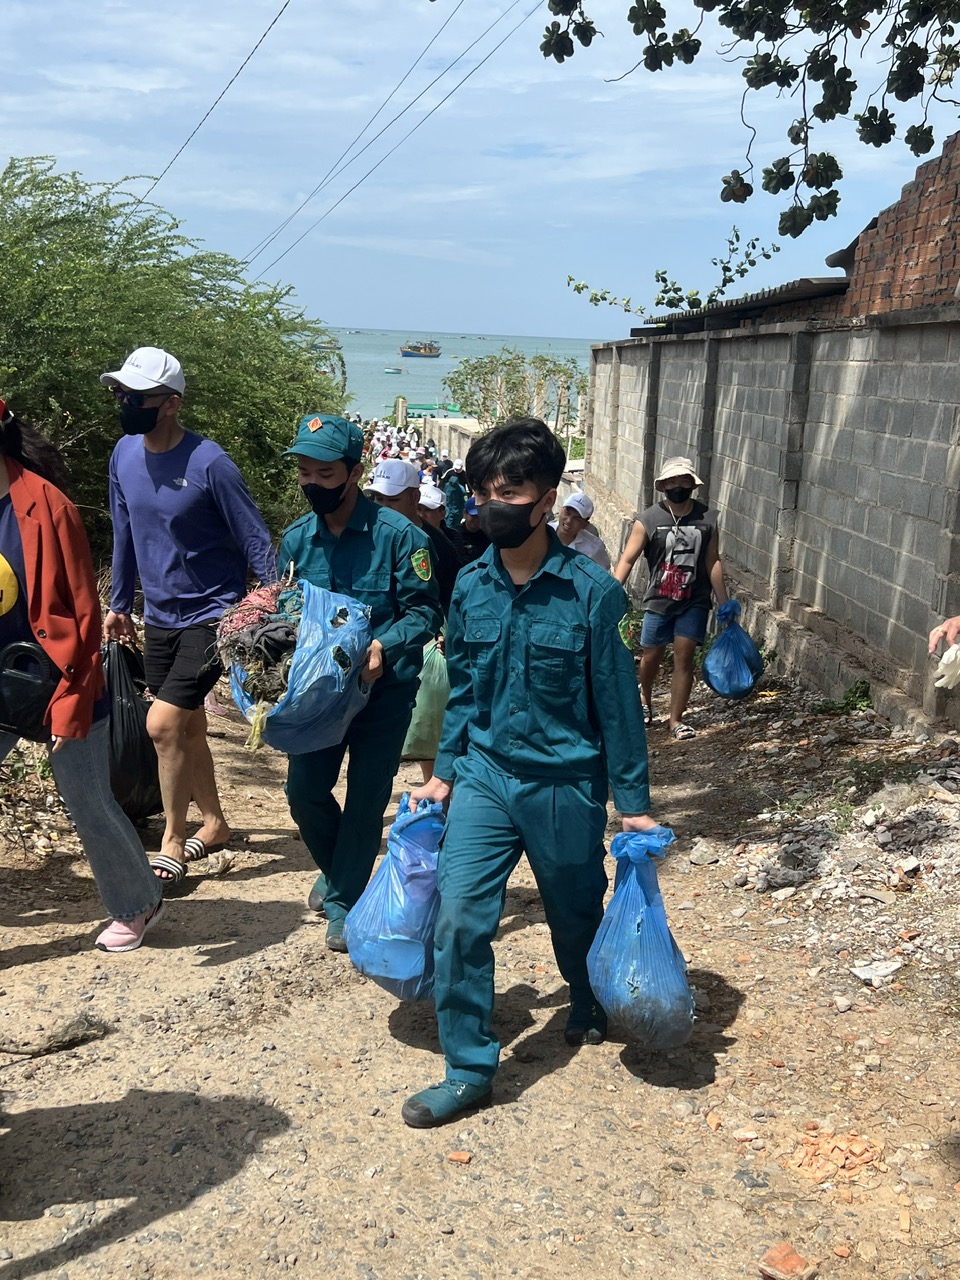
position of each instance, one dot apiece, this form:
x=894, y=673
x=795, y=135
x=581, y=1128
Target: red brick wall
x=910, y=259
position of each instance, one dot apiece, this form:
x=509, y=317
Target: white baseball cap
x=432, y=498
x=444, y=453
x=146, y=369
x=581, y=504
x=458, y=464
x=392, y=476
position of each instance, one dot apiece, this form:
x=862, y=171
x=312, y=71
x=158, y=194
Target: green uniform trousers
x=344, y=842
x=493, y=819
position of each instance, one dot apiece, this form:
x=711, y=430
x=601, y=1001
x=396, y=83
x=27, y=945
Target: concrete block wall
x=833, y=456
x=601, y=434
x=682, y=378
x=748, y=443
x=871, y=512
x=634, y=385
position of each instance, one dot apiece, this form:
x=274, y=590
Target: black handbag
x=28, y=681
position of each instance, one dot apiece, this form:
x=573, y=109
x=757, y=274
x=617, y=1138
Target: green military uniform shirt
x=382, y=560
x=542, y=678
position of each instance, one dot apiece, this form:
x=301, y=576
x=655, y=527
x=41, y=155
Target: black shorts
x=182, y=666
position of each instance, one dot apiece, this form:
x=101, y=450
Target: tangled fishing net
x=257, y=637
x=291, y=649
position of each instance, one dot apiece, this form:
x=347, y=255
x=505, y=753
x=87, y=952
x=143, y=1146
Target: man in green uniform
x=543, y=713
x=349, y=545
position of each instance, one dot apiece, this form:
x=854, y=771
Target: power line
x=423, y=120
x=156, y=182
x=335, y=171
x=263, y=244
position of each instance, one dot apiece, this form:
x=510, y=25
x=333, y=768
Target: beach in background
x=369, y=352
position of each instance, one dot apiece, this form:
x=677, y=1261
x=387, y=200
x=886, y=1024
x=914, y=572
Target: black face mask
x=138, y=421
x=507, y=524
x=324, y=501
x=677, y=496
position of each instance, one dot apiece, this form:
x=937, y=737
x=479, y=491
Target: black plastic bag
x=134, y=771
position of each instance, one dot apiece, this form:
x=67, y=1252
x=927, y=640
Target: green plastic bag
x=423, y=736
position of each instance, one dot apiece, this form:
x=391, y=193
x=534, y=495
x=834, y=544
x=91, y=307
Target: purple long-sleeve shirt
x=185, y=521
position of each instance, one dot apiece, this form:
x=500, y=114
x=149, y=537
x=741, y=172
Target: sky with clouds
x=530, y=172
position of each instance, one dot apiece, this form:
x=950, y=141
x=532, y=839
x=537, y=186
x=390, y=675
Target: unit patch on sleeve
x=421, y=564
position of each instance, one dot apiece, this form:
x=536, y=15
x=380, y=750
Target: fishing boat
x=429, y=350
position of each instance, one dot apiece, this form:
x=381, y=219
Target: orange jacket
x=62, y=600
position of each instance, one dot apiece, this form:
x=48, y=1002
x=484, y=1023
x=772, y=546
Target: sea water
x=369, y=352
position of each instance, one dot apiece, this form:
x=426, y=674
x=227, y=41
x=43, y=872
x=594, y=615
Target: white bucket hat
x=678, y=466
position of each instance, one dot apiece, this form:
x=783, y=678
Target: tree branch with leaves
x=814, y=53
x=739, y=261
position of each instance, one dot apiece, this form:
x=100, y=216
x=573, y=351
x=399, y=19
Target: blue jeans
x=81, y=770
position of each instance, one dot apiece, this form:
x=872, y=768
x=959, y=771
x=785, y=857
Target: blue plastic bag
x=636, y=970
x=389, y=932
x=733, y=664
x=324, y=688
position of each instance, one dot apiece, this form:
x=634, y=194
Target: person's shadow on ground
x=236, y=929
x=160, y=1149
x=694, y=1064
x=525, y=1059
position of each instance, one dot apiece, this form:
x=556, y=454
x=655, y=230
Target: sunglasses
x=137, y=399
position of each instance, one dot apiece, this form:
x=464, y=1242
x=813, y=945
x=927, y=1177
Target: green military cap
x=326, y=438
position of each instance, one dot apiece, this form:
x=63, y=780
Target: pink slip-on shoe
x=126, y=935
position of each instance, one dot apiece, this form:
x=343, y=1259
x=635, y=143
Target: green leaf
x=919, y=138
x=794, y=221
x=779, y=176
x=875, y=126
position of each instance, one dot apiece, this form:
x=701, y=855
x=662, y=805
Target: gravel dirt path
x=241, y=1116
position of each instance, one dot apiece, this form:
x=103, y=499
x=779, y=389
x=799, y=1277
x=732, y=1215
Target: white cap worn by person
x=581, y=504
x=458, y=464
x=392, y=476
x=432, y=498
x=444, y=453
x=148, y=369
x=679, y=466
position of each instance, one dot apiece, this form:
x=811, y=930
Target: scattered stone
x=843, y=1004
x=782, y=1262
x=875, y=974
x=909, y=866
x=703, y=854
x=460, y=1157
